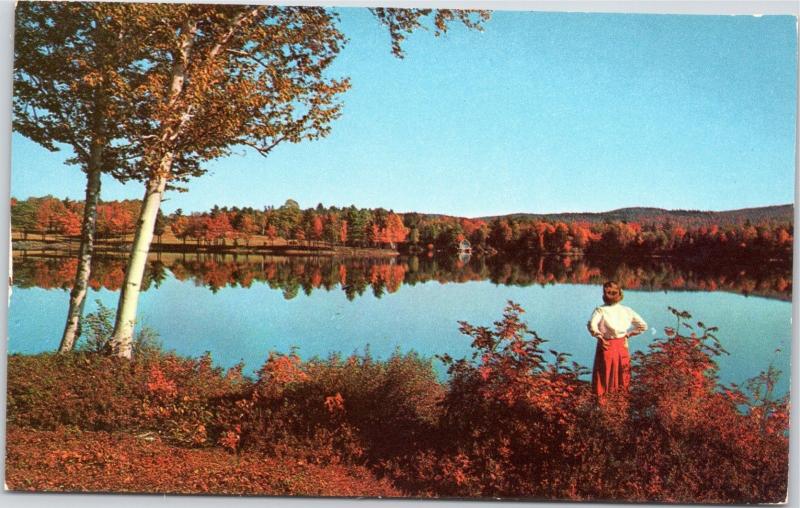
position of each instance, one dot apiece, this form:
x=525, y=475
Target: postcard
x=401, y=253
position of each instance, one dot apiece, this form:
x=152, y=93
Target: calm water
x=240, y=309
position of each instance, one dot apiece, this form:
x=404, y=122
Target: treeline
x=525, y=238
x=362, y=227
x=351, y=226
x=514, y=420
x=49, y=215
x=355, y=276
x=690, y=218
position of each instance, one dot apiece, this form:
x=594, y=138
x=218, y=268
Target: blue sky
x=540, y=112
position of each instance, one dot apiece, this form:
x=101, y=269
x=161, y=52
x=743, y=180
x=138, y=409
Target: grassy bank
x=42, y=244
x=513, y=421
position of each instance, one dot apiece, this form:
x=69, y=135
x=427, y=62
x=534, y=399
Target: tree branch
x=263, y=150
x=80, y=149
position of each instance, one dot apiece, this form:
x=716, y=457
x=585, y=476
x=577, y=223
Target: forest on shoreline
x=753, y=234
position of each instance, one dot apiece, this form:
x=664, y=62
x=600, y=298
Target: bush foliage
x=514, y=420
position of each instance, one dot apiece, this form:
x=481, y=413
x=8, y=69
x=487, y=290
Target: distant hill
x=643, y=215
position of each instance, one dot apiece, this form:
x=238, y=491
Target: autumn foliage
x=522, y=237
x=693, y=236
x=49, y=215
x=515, y=424
x=514, y=420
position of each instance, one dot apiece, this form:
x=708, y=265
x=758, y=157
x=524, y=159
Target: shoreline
x=62, y=248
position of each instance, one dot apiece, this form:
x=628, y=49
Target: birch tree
x=223, y=76
x=76, y=68
x=67, y=84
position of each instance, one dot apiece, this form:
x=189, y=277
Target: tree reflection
x=354, y=276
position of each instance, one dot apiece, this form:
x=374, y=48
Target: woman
x=612, y=324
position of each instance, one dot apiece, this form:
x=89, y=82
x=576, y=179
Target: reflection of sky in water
x=244, y=324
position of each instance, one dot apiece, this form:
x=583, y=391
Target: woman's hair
x=612, y=293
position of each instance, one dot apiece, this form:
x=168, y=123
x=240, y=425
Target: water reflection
x=355, y=276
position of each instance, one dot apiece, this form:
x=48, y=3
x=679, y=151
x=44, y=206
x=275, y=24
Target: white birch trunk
x=77, y=296
x=121, y=343
x=94, y=166
x=122, y=339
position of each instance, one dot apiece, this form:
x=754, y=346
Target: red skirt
x=612, y=367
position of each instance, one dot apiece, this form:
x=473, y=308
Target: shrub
x=515, y=425
x=514, y=420
x=356, y=408
x=98, y=327
x=505, y=419
x=158, y=392
x=699, y=441
x=81, y=389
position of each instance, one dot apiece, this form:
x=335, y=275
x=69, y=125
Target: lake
x=240, y=308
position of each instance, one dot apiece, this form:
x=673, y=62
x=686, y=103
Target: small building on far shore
x=464, y=247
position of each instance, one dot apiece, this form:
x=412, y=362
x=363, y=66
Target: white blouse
x=614, y=321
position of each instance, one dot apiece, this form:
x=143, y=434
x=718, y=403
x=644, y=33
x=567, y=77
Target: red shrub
x=515, y=425
x=510, y=422
x=327, y=410
x=163, y=393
